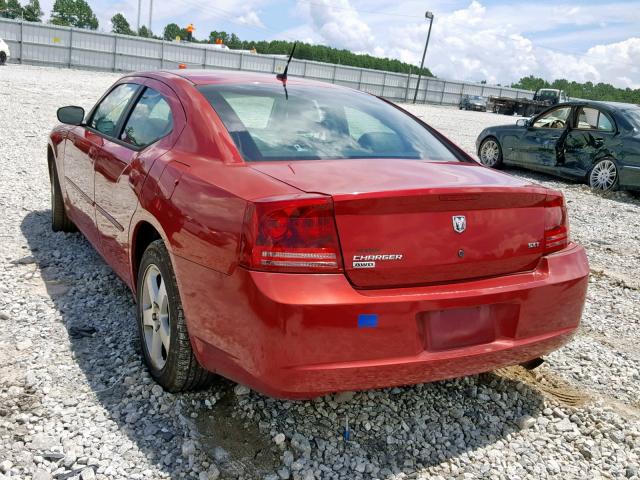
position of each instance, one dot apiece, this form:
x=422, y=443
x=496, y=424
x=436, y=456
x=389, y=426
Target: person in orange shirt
x=190, y=30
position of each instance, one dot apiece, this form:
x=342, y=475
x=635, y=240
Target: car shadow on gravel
x=98, y=312
x=393, y=430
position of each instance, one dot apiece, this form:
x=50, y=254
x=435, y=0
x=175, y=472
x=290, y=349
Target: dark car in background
x=594, y=142
x=473, y=102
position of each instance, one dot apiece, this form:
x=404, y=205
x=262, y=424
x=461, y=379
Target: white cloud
x=250, y=18
x=339, y=25
x=302, y=33
x=619, y=60
x=475, y=44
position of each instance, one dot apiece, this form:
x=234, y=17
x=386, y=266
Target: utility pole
x=150, y=14
x=428, y=15
x=139, y=8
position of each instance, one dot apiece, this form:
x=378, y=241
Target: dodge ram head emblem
x=459, y=223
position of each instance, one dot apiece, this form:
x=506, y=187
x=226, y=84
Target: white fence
x=44, y=44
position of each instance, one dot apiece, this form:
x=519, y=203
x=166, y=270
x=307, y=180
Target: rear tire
x=490, y=153
x=162, y=327
x=60, y=222
x=603, y=176
x=3, y=58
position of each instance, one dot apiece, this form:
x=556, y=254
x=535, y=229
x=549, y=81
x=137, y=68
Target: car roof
x=603, y=104
x=212, y=77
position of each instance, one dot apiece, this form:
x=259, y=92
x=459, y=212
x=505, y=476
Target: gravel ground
x=85, y=407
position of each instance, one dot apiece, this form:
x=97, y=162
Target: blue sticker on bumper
x=368, y=320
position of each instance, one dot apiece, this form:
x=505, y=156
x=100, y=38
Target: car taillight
x=296, y=234
x=556, y=224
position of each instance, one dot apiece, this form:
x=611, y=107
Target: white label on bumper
x=364, y=264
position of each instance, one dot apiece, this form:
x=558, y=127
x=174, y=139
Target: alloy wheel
x=155, y=317
x=603, y=176
x=489, y=153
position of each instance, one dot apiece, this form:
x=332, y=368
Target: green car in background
x=594, y=142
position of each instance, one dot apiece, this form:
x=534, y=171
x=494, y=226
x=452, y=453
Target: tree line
x=587, y=90
x=304, y=51
x=30, y=12
x=68, y=13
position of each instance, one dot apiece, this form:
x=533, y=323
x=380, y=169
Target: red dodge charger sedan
x=312, y=238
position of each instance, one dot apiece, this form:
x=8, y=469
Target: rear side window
x=107, y=115
x=593, y=119
x=604, y=123
x=149, y=121
x=319, y=123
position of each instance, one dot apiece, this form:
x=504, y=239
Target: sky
x=492, y=40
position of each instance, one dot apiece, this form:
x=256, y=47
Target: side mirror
x=523, y=122
x=71, y=115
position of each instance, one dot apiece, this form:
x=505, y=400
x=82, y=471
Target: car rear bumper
x=300, y=336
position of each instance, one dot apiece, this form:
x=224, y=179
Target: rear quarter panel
x=629, y=160
x=203, y=220
x=204, y=205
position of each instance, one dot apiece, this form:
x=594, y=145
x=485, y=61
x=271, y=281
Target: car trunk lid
x=412, y=222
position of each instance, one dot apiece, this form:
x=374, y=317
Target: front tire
x=603, y=176
x=490, y=153
x=60, y=222
x=162, y=327
x=3, y=58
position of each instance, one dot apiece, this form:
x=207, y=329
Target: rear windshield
x=317, y=123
